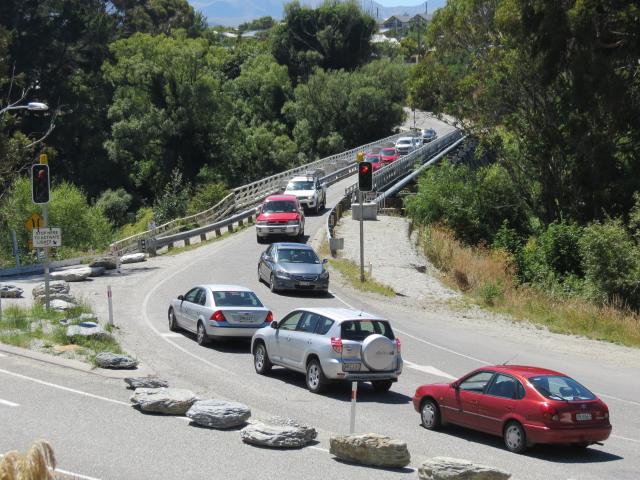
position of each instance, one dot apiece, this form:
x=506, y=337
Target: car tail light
x=218, y=316
x=336, y=344
x=269, y=317
x=398, y=344
x=549, y=413
x=602, y=414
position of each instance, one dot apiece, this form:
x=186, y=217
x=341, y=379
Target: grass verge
x=350, y=271
x=487, y=277
x=38, y=329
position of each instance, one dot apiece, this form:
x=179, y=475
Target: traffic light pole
x=360, y=201
x=45, y=216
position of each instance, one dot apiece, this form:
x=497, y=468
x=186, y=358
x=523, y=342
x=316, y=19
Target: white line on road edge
x=2, y=355
x=67, y=389
x=319, y=449
x=8, y=403
x=625, y=438
x=75, y=475
x=172, y=335
x=617, y=399
x=429, y=369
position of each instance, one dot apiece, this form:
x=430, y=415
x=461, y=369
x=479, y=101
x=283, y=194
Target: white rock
x=61, y=305
x=108, y=263
x=218, y=413
x=446, y=468
x=310, y=433
x=115, y=361
x=58, y=286
x=72, y=275
x=97, y=271
x=277, y=436
x=145, y=382
x=172, y=401
x=133, y=258
x=88, y=330
x=10, y=291
x=56, y=296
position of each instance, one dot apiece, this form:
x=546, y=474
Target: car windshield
x=297, y=255
x=555, y=387
x=358, y=330
x=404, y=142
x=235, y=299
x=388, y=151
x=279, y=206
x=300, y=185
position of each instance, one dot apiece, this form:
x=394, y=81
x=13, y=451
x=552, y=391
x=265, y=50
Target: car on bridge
x=280, y=215
x=213, y=311
x=389, y=155
x=428, y=135
x=310, y=191
x=293, y=266
x=330, y=344
x=523, y=405
x=406, y=145
x=375, y=159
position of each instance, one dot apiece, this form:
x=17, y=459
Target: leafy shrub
x=141, y=224
x=174, y=200
x=206, y=196
x=490, y=292
x=115, y=205
x=611, y=262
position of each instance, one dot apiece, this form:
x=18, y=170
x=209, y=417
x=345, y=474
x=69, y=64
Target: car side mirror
x=325, y=261
x=274, y=325
x=180, y=297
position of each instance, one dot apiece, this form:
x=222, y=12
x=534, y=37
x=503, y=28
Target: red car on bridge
x=523, y=405
x=389, y=155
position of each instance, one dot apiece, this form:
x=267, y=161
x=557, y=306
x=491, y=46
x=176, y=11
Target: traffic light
x=40, y=183
x=365, y=177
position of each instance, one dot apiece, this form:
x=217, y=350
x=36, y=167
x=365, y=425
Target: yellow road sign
x=34, y=221
x=360, y=156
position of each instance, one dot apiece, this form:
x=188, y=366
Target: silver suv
x=330, y=344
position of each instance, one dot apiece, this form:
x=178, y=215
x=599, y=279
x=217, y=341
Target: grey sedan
x=293, y=266
x=218, y=311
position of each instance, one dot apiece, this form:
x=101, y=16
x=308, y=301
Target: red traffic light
x=365, y=177
x=40, y=183
x=364, y=169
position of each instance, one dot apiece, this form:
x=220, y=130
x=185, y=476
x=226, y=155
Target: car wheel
x=173, y=322
x=316, y=381
x=381, y=386
x=272, y=283
x=201, y=337
x=261, y=360
x=430, y=414
x=515, y=439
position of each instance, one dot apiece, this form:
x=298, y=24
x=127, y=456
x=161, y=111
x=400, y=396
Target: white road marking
x=429, y=369
x=625, y=438
x=66, y=389
x=631, y=402
x=319, y=449
x=75, y=475
x=2, y=355
x=8, y=403
x=172, y=335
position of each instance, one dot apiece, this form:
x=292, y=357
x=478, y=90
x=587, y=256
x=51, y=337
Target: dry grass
x=36, y=464
x=487, y=277
x=350, y=271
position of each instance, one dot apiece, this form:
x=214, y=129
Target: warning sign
x=47, y=237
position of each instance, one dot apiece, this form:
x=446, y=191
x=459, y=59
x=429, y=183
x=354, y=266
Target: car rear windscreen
x=358, y=330
x=236, y=299
x=555, y=387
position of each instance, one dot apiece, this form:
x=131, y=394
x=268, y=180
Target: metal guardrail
x=338, y=166
x=426, y=155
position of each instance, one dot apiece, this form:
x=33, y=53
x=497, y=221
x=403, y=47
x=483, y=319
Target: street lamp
x=31, y=106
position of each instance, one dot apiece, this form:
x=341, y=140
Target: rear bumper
x=266, y=230
x=541, y=434
x=332, y=369
x=233, y=330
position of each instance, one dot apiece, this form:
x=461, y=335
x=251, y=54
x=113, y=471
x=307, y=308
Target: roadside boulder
x=10, y=291
x=133, y=258
x=275, y=436
x=56, y=296
x=445, y=468
x=87, y=330
x=370, y=449
x=97, y=271
x=72, y=275
x=310, y=433
x=218, y=413
x=115, y=361
x=58, y=286
x=171, y=401
x=61, y=305
x=145, y=382
x=108, y=263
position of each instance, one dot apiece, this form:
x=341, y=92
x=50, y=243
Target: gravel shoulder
x=396, y=262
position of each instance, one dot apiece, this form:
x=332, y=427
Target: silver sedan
x=212, y=311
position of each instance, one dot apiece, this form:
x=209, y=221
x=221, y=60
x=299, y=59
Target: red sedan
x=524, y=405
x=374, y=158
x=389, y=155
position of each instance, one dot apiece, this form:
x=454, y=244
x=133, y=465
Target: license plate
x=304, y=284
x=350, y=366
x=583, y=416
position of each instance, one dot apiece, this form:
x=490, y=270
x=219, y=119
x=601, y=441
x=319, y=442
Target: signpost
x=46, y=237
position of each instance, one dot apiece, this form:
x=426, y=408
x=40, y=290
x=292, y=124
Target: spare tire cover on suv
x=378, y=352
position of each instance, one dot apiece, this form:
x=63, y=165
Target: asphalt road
x=110, y=440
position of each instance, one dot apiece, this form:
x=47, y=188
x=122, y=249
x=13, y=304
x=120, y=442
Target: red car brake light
x=550, y=413
x=269, y=317
x=336, y=344
x=398, y=344
x=218, y=316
